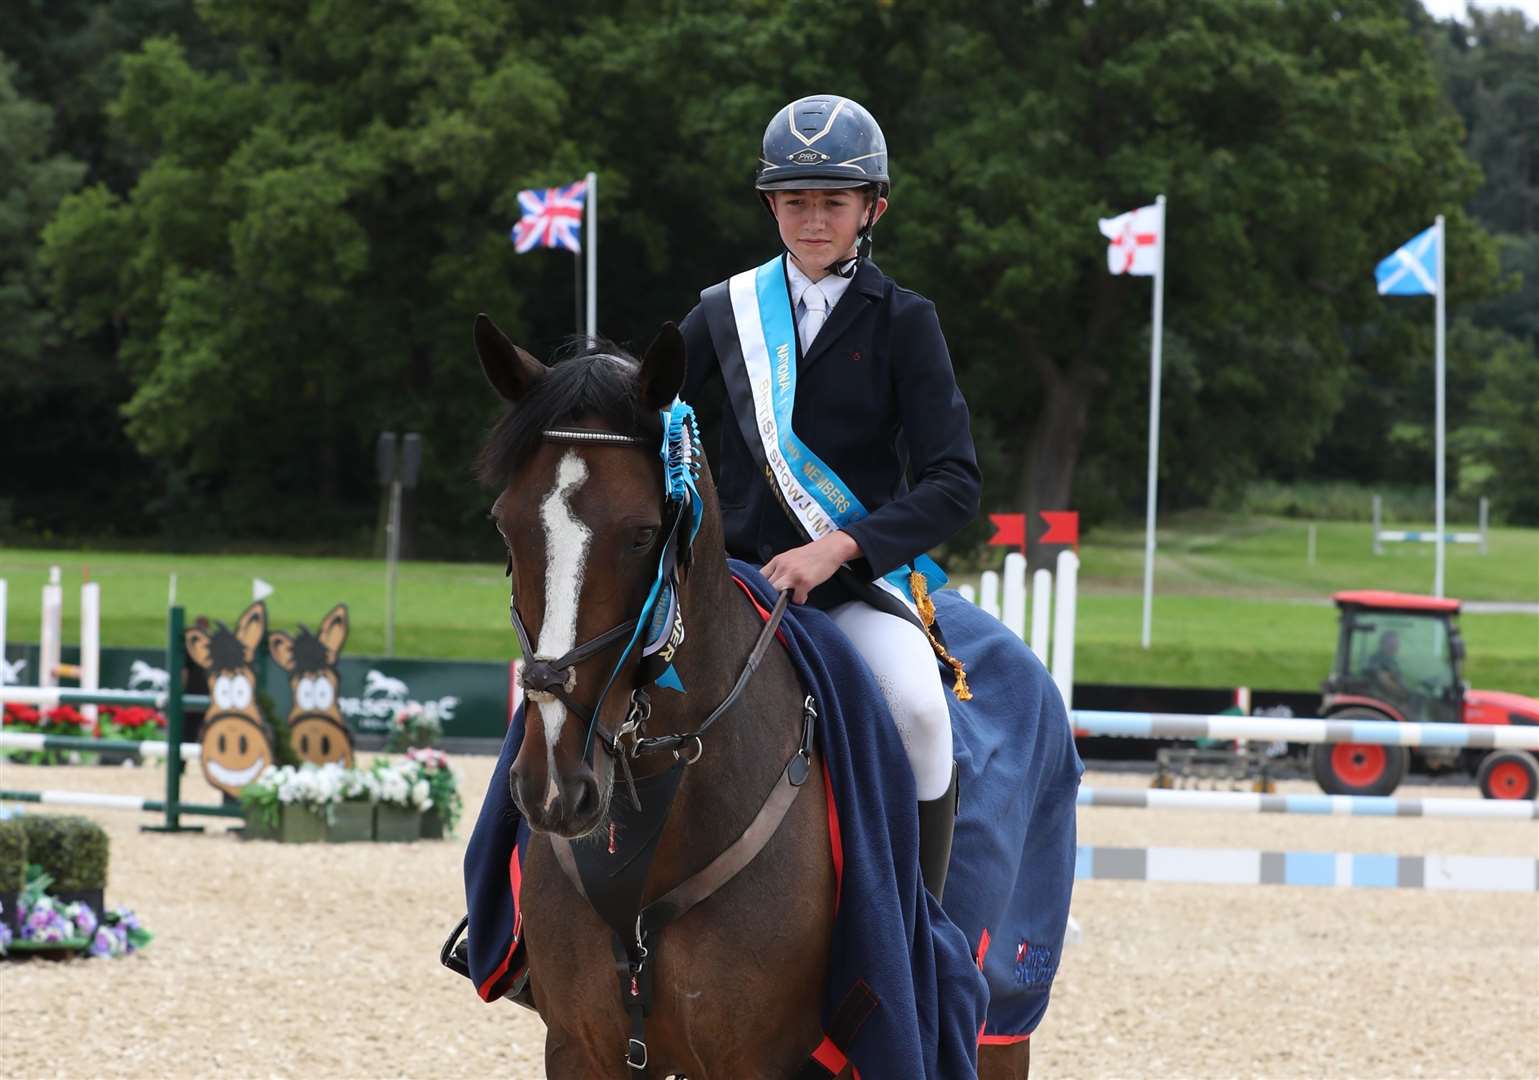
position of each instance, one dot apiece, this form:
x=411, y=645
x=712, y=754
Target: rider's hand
x=804, y=568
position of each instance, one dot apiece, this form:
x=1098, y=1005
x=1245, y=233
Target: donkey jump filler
x=171, y=701
x=237, y=743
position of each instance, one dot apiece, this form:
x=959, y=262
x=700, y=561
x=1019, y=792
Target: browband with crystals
x=586, y=435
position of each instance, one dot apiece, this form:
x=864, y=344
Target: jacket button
x=766, y=552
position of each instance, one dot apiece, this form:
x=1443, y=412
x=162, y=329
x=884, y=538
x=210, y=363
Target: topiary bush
x=13, y=857
x=71, y=850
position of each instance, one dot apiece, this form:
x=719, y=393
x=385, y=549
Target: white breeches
x=903, y=662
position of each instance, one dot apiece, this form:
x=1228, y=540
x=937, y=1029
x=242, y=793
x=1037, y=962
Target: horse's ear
x=511, y=371
x=251, y=628
x=282, y=648
x=333, y=632
x=198, y=647
x=662, y=368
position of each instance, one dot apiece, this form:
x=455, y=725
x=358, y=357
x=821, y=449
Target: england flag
x=1134, y=241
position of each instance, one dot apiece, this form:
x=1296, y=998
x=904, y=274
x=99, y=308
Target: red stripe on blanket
x=515, y=883
x=835, y=844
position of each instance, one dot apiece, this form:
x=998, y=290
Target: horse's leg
x=1010, y=1061
x=571, y=971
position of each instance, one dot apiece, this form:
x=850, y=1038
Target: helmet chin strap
x=846, y=268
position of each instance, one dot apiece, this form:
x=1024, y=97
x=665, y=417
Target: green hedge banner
x=473, y=699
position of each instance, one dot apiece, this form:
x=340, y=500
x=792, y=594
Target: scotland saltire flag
x=1411, y=271
x=552, y=218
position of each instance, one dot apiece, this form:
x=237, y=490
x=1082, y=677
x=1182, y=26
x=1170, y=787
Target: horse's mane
x=309, y=653
x=588, y=379
x=226, y=651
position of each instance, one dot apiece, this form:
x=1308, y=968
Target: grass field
x=1236, y=602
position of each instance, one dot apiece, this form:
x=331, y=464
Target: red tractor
x=1400, y=657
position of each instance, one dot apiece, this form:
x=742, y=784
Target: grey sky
x=1442, y=9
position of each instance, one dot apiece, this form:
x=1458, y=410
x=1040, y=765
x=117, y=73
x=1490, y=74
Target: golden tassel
x=921, y=590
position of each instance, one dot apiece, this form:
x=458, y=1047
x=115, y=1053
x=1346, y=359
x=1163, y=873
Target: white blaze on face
x=566, y=557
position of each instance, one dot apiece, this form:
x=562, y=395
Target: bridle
x=547, y=678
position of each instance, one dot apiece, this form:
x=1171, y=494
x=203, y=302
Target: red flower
x=21, y=714
x=64, y=716
x=137, y=717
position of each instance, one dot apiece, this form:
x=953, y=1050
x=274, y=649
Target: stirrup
x=455, y=955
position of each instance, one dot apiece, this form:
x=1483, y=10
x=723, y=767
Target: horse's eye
x=643, y=539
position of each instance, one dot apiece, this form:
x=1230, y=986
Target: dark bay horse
x=738, y=981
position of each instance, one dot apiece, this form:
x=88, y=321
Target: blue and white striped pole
x=1442, y=277
x=1138, y=725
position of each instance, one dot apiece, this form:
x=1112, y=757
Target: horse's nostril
x=587, y=797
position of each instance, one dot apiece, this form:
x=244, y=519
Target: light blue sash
x=820, y=500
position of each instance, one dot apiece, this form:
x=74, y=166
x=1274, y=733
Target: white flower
x=419, y=795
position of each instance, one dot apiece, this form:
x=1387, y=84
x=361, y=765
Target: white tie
x=812, y=319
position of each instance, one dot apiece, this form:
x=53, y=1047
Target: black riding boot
x=937, y=821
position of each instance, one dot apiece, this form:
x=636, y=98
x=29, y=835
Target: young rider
x=839, y=384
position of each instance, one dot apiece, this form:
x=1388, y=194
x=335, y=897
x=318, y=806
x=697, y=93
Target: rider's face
x=819, y=228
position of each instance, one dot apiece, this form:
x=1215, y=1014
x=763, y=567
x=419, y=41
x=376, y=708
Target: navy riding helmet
x=826, y=142
x=823, y=141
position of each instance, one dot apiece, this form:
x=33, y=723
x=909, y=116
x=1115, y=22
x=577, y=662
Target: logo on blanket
x=1034, y=964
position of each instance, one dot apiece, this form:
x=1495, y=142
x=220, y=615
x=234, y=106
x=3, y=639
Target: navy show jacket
x=877, y=400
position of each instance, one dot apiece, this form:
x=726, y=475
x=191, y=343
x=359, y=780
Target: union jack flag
x=552, y=218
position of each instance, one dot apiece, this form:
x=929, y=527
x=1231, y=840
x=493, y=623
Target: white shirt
x=832, y=287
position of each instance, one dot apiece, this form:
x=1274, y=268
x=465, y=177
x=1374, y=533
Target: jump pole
x=176, y=723
x=1138, y=725
x=1337, y=869
x=1041, y=611
x=1013, y=606
x=1067, y=589
x=49, y=638
x=1246, y=802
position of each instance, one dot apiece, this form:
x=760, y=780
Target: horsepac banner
x=473, y=698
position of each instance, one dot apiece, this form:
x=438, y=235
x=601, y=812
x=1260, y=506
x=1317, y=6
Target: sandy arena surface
x=322, y=961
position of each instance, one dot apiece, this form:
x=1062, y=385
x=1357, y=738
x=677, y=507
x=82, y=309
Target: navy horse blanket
x=937, y=982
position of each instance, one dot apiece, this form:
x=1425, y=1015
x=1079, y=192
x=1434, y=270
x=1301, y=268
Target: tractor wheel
x=1509, y=774
x=1358, y=768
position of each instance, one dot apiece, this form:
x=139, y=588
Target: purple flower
x=5, y=937
x=101, y=944
x=85, y=919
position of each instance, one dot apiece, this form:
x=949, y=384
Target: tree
x=297, y=264
x=1298, y=143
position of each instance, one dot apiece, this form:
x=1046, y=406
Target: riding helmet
x=823, y=141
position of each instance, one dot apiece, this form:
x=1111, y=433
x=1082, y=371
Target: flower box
x=432, y=824
x=48, y=950
x=300, y=825
x=350, y=822
x=257, y=828
x=397, y=824
x=92, y=898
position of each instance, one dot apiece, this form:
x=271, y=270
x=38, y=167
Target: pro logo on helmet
x=809, y=156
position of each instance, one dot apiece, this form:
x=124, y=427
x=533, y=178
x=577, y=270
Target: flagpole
x=1154, y=420
x=592, y=245
x=1442, y=278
